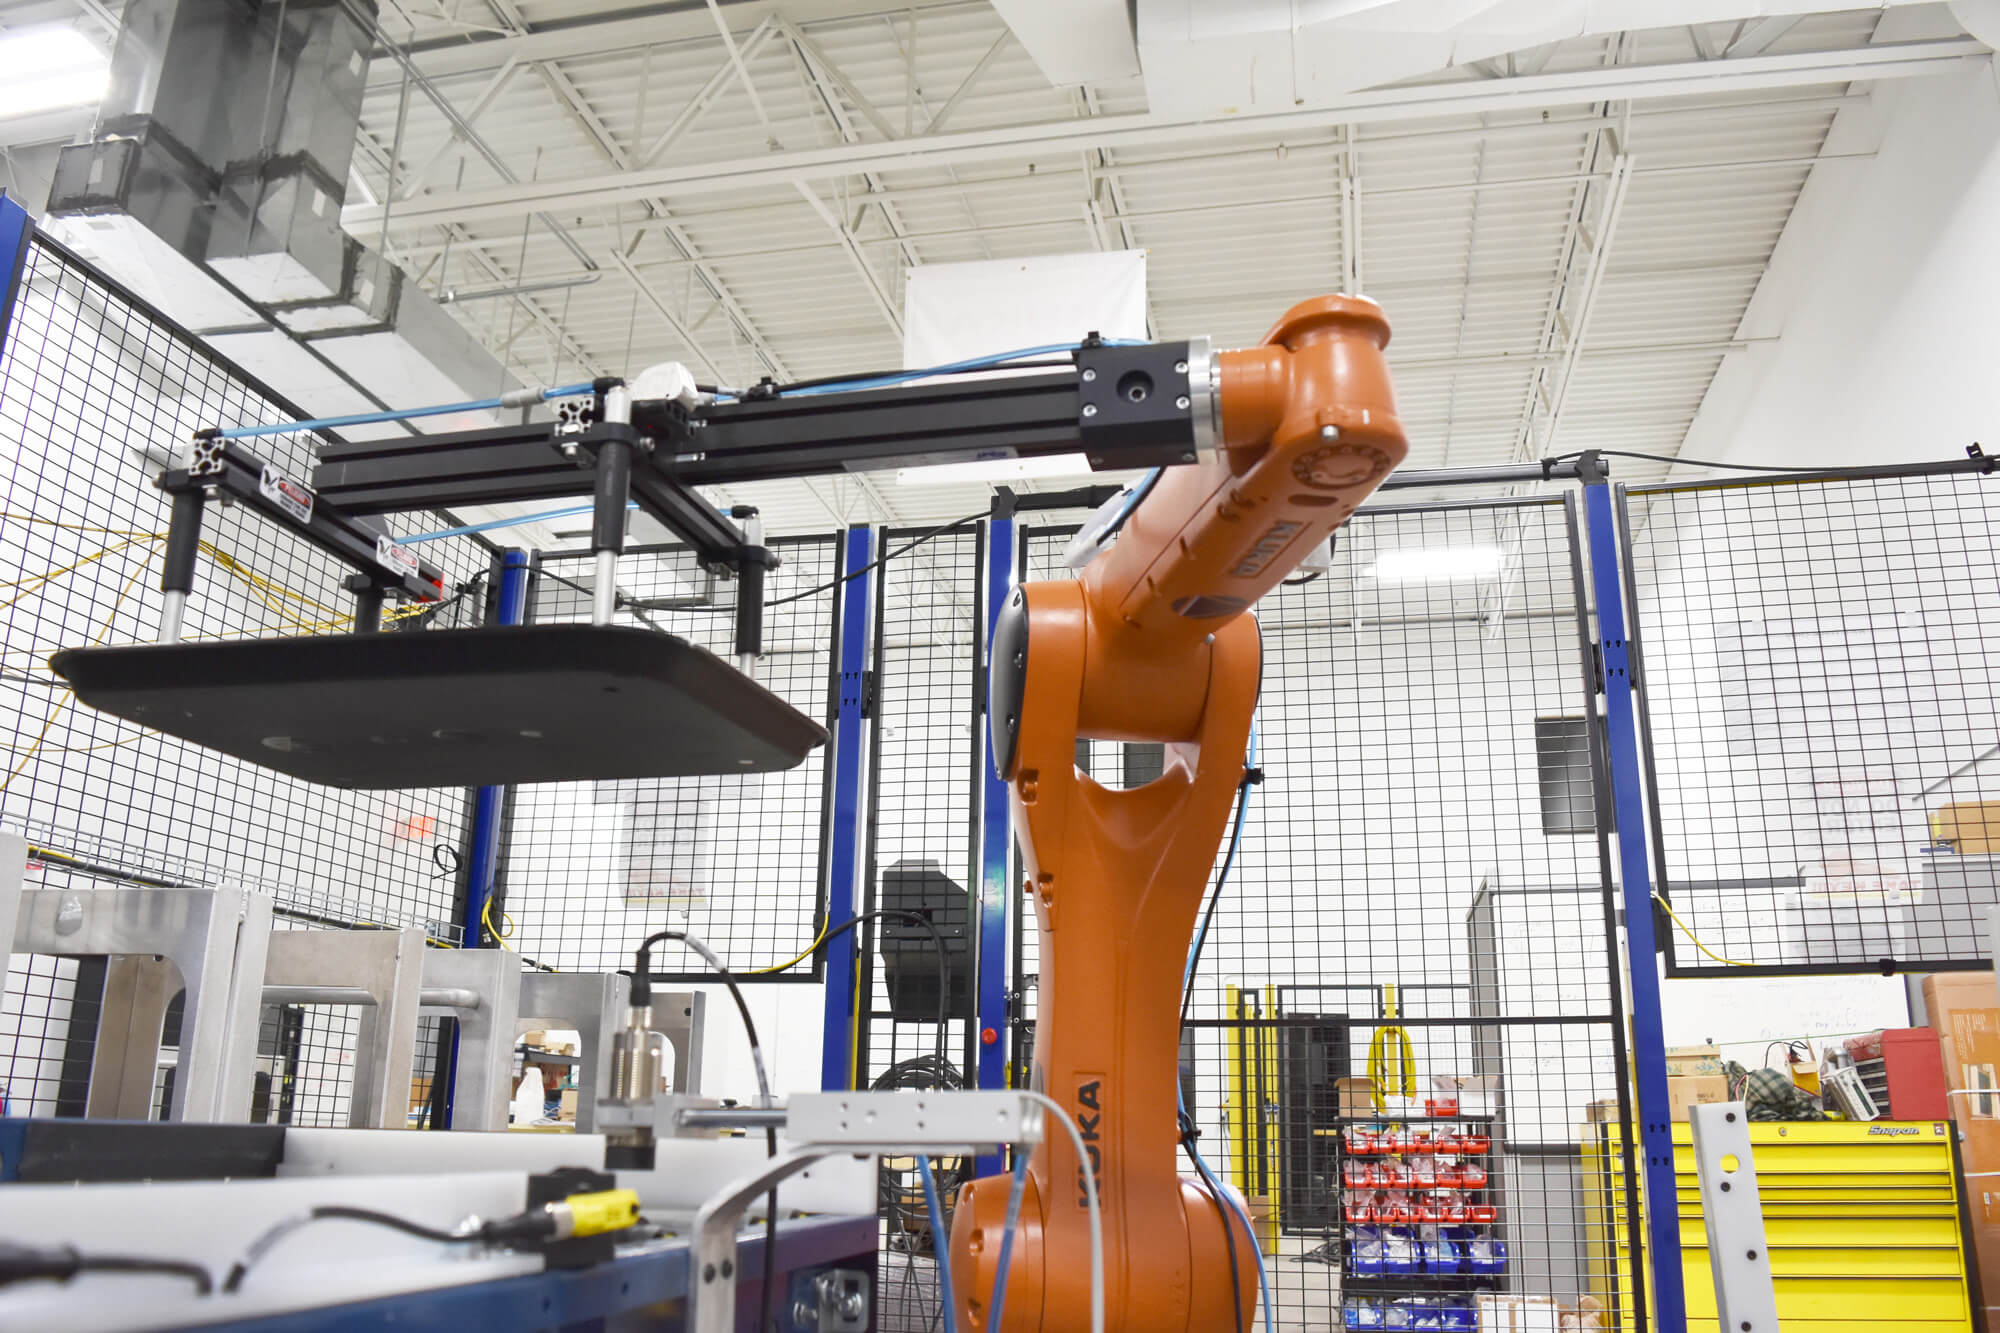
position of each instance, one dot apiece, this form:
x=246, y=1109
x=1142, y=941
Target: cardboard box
x=1683, y=1093
x=1519, y=1314
x=1964, y=1008
x=568, y=1114
x=1694, y=1062
x=1357, y=1100
x=1972, y=828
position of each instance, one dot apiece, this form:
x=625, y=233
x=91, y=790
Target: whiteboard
x=1742, y=1015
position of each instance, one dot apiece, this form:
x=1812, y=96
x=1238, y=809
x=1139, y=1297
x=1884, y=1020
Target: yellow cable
x=74, y=749
x=266, y=590
x=32, y=582
x=78, y=527
x=499, y=935
x=1730, y=962
x=103, y=632
x=809, y=950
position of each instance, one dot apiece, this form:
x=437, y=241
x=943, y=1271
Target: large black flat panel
x=65, y=1151
x=453, y=708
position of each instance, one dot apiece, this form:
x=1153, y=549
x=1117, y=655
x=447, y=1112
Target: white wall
x=1884, y=297
x=1884, y=291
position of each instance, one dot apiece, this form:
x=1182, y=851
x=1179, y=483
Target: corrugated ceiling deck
x=1465, y=229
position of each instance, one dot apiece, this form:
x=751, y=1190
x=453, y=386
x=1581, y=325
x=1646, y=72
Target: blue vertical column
x=836, y=1061
x=1649, y=1051
x=996, y=838
x=483, y=867
x=17, y=230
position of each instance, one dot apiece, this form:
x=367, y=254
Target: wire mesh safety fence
x=1821, y=678
x=920, y=849
x=1405, y=1022
x=97, y=393
x=591, y=868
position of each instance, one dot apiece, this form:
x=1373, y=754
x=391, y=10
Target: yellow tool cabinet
x=1863, y=1222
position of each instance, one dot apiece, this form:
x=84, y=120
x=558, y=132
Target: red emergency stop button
x=987, y=1036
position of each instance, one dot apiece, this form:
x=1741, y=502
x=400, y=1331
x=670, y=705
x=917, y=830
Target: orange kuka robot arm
x=1150, y=643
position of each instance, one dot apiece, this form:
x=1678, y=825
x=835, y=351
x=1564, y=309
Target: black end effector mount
x=225, y=469
x=753, y=561
x=1135, y=404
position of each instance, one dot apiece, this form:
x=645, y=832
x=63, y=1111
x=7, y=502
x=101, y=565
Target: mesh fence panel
x=594, y=867
x=96, y=394
x=1821, y=673
x=1397, y=920
x=920, y=849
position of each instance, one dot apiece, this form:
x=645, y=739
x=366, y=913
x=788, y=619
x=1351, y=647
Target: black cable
x=885, y=558
x=859, y=377
x=83, y=867
x=1821, y=470
x=23, y=1263
x=642, y=994
x=633, y=605
x=937, y=944
x=1251, y=777
x=459, y=594
x=943, y=1075
x=638, y=606
x=1300, y=583
x=330, y=1212
x=1228, y=1227
x=908, y=1212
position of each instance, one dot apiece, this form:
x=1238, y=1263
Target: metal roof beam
x=623, y=31
x=706, y=95
x=1060, y=138
x=416, y=180
x=854, y=256
x=969, y=82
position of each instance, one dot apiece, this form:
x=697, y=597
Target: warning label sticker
x=397, y=559
x=293, y=497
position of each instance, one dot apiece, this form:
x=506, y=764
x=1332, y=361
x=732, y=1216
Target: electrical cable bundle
x=934, y=1068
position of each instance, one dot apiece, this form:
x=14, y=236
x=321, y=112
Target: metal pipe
x=1971, y=763
x=1501, y=474
x=604, y=591
x=430, y=997
x=173, y=609
x=451, y=296
x=731, y=1117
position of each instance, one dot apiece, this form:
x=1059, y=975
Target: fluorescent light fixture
x=995, y=469
x=1436, y=564
x=46, y=69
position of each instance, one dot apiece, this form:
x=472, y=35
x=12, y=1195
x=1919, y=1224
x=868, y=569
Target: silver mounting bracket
x=827, y=1124
x=1745, y=1298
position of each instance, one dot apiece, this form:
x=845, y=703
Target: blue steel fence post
x=836, y=1061
x=1628, y=796
x=17, y=230
x=996, y=840
x=482, y=869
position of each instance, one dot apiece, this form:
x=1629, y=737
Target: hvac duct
x=213, y=187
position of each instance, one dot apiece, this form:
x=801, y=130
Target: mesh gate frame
x=1632, y=1279
x=1681, y=960
x=550, y=579
x=303, y=1039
